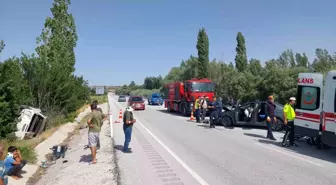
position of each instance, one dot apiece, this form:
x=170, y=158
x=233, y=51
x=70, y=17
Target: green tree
x=301, y=60
x=255, y=67
x=2, y=45
x=14, y=92
x=241, y=57
x=203, y=54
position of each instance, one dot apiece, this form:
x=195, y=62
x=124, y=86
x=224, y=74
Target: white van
x=315, y=108
x=31, y=121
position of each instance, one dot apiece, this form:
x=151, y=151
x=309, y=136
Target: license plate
x=138, y=105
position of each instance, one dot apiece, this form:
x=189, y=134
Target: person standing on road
x=270, y=117
x=94, y=123
x=204, y=107
x=213, y=112
x=127, y=127
x=197, y=109
x=289, y=116
x=101, y=111
x=3, y=175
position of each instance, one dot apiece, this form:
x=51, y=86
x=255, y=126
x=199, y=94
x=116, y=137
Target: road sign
x=100, y=90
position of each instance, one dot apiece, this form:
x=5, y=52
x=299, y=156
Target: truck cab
x=181, y=96
x=315, y=108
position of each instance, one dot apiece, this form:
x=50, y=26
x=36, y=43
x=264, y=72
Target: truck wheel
x=168, y=107
x=184, y=110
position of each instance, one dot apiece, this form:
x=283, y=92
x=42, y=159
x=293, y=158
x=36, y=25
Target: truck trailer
x=180, y=96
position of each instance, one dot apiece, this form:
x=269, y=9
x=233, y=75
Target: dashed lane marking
x=163, y=170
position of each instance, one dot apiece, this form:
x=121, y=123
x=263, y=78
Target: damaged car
x=30, y=123
x=252, y=114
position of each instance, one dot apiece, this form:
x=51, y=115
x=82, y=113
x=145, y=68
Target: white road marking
x=290, y=154
x=178, y=159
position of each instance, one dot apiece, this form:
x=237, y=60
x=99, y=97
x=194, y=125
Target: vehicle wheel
x=278, y=125
x=227, y=121
x=184, y=110
x=168, y=108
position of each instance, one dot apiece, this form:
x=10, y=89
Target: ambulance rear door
x=329, y=108
x=308, y=104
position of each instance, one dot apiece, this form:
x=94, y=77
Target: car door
x=259, y=114
x=240, y=115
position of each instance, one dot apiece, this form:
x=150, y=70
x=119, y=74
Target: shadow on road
x=254, y=135
x=85, y=158
x=305, y=149
x=119, y=147
x=171, y=113
x=204, y=126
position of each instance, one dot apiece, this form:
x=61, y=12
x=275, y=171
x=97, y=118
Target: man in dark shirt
x=127, y=127
x=270, y=113
x=213, y=108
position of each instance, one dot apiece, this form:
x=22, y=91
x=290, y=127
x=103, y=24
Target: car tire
x=277, y=125
x=227, y=121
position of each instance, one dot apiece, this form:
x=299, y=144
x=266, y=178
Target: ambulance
x=316, y=107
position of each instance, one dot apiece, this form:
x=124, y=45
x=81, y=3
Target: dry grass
x=101, y=99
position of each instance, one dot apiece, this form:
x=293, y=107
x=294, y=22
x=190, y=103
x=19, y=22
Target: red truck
x=180, y=96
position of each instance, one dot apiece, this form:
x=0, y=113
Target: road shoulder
x=77, y=170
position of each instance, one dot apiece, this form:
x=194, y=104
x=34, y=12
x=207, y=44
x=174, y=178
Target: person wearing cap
x=270, y=109
x=197, y=109
x=128, y=127
x=204, y=107
x=289, y=116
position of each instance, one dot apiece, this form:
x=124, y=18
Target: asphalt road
x=239, y=156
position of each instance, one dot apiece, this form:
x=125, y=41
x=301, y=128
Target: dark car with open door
x=252, y=114
x=136, y=102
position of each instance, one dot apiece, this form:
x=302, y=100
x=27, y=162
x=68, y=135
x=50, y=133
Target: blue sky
x=125, y=40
